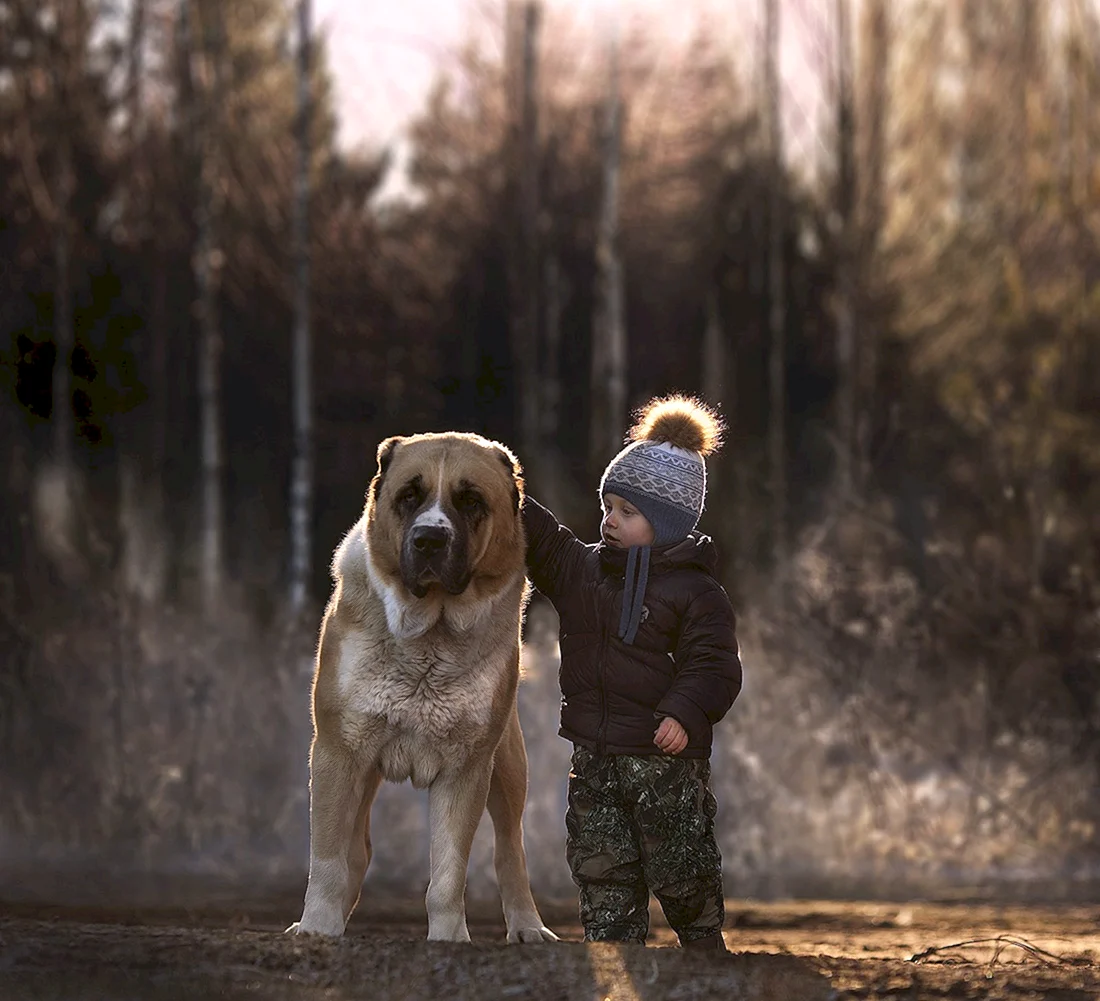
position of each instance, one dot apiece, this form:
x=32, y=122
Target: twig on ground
x=999, y=942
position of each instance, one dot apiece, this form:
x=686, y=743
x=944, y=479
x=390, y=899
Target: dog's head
x=444, y=508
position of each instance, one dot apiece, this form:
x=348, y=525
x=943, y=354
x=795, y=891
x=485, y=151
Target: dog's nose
x=430, y=539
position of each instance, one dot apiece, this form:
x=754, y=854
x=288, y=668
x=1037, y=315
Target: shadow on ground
x=184, y=944
x=85, y=962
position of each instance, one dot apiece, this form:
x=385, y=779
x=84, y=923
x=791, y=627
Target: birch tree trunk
x=301, y=477
x=777, y=313
x=608, y=412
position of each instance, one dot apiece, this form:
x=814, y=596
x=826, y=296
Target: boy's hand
x=671, y=737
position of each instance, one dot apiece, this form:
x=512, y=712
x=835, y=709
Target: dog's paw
x=312, y=927
x=527, y=934
x=448, y=932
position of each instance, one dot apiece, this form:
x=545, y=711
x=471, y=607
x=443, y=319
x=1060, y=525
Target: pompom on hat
x=662, y=471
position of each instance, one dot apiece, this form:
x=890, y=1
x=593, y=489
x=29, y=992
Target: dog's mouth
x=420, y=578
x=429, y=576
x=454, y=583
x=434, y=560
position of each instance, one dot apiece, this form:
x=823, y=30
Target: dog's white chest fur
x=429, y=696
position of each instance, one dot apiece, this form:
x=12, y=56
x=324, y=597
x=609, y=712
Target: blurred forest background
x=211, y=312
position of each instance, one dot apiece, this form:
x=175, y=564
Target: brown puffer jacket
x=683, y=661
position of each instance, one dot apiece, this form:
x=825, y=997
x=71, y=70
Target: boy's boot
x=711, y=943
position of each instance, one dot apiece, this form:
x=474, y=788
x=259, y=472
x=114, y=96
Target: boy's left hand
x=671, y=737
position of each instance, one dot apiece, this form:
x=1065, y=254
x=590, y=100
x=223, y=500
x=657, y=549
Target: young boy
x=649, y=664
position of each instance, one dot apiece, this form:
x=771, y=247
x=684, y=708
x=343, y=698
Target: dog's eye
x=469, y=502
x=409, y=497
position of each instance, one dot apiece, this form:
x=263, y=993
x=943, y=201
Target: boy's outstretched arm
x=554, y=554
x=709, y=677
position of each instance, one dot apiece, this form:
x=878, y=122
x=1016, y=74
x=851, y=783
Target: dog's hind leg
x=338, y=783
x=507, y=797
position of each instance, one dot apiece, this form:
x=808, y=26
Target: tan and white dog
x=416, y=678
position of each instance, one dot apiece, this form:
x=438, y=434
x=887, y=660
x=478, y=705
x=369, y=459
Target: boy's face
x=623, y=524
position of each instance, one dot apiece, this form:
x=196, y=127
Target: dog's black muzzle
x=434, y=554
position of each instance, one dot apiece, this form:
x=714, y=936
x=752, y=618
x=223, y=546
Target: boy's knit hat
x=662, y=472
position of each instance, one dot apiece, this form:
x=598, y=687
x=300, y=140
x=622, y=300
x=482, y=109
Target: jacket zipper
x=601, y=675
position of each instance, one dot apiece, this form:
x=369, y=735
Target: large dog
x=416, y=678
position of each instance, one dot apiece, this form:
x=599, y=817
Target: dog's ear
x=511, y=463
x=386, y=452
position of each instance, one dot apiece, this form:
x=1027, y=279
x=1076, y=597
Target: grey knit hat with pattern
x=662, y=471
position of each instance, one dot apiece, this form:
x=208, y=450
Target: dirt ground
x=779, y=952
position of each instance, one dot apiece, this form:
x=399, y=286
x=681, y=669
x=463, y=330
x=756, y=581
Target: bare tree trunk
x=158, y=331
x=875, y=46
x=210, y=350
x=714, y=353
x=1080, y=166
x=139, y=509
x=777, y=314
x=523, y=50
x=844, y=200
x=55, y=490
x=301, y=479
x=206, y=265
x=549, y=464
x=553, y=293
x=62, y=418
x=54, y=502
x=135, y=64
x=65, y=83
x=608, y=414
x=1023, y=79
x=717, y=392
x=144, y=554
x=974, y=57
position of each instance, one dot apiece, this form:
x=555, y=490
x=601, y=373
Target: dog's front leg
x=456, y=803
x=337, y=819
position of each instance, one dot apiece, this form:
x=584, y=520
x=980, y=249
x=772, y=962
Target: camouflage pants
x=636, y=824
